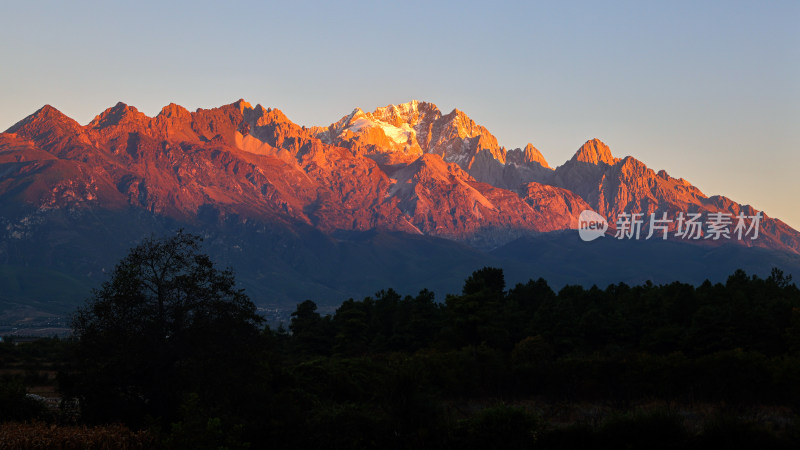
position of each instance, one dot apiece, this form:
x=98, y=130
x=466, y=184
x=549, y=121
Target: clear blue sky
x=709, y=91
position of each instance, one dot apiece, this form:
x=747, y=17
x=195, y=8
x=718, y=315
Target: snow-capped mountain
x=406, y=169
x=401, y=133
x=402, y=167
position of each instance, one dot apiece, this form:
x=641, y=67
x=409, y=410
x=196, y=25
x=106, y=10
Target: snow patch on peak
x=356, y=125
x=406, y=108
x=400, y=135
x=413, y=113
x=400, y=107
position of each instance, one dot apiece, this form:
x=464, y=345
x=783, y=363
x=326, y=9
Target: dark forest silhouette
x=170, y=346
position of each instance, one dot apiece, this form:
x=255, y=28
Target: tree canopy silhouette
x=167, y=323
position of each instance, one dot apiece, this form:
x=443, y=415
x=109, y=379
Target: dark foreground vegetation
x=168, y=353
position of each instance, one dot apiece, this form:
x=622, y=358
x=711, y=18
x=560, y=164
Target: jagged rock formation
x=403, y=193
x=405, y=168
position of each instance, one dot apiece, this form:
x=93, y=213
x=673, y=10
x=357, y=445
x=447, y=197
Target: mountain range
x=403, y=196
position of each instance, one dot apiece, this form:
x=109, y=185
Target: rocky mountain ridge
x=406, y=168
x=403, y=196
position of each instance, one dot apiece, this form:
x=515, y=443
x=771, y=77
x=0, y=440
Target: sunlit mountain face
x=405, y=196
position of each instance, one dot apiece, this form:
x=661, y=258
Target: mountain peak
x=242, y=104
x=45, y=117
x=529, y=154
x=402, y=107
x=412, y=113
x=173, y=110
x=261, y=116
x=404, y=167
x=595, y=151
x=532, y=154
x=47, y=111
x=117, y=114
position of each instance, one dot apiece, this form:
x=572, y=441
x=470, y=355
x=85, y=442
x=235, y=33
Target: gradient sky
x=709, y=91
